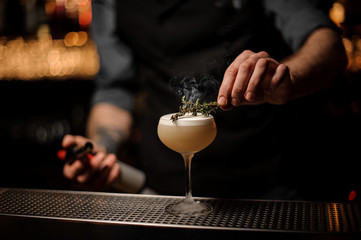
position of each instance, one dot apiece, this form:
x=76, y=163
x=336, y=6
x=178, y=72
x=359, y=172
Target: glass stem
x=188, y=180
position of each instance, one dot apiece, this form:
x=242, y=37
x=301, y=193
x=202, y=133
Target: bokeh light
x=74, y=56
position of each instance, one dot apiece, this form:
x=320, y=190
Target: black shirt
x=144, y=44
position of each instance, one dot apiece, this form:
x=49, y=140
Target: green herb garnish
x=205, y=108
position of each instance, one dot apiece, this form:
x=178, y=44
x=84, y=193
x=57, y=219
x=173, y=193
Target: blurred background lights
x=337, y=13
x=85, y=14
x=345, y=14
x=43, y=55
x=75, y=39
x=72, y=57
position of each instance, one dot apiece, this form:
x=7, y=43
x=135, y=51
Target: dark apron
x=172, y=38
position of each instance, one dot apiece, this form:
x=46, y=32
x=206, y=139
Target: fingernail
x=222, y=101
x=235, y=102
x=250, y=96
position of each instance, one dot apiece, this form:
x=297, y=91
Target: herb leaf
x=205, y=108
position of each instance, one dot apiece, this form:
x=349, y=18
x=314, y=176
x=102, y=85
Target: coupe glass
x=187, y=135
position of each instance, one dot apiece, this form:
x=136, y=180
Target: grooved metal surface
x=236, y=215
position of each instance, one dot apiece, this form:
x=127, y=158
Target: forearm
x=109, y=126
x=317, y=63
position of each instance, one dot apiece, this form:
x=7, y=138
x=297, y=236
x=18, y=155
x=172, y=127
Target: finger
x=256, y=80
x=72, y=171
x=108, y=161
x=229, y=78
x=70, y=140
x=104, y=173
x=93, y=165
x=280, y=74
x=114, y=173
x=96, y=160
x=227, y=85
x=244, y=73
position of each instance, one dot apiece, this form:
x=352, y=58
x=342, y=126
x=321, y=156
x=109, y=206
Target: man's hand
x=97, y=173
x=254, y=78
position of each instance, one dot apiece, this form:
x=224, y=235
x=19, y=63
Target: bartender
x=264, y=54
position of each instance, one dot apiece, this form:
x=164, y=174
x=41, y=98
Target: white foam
x=187, y=120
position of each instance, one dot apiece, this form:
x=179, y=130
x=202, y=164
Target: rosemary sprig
x=204, y=108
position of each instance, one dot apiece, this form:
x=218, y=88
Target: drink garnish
x=194, y=108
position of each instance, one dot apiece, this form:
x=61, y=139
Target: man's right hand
x=96, y=173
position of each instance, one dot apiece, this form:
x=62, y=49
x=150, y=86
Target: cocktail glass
x=187, y=135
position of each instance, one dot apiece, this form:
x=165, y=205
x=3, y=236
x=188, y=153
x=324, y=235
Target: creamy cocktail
x=187, y=135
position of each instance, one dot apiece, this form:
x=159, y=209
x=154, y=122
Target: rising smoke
x=203, y=85
x=193, y=87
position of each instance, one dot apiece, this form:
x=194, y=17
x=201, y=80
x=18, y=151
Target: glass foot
x=189, y=209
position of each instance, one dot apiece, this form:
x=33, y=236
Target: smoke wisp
x=193, y=87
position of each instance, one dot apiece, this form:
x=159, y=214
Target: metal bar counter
x=54, y=214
